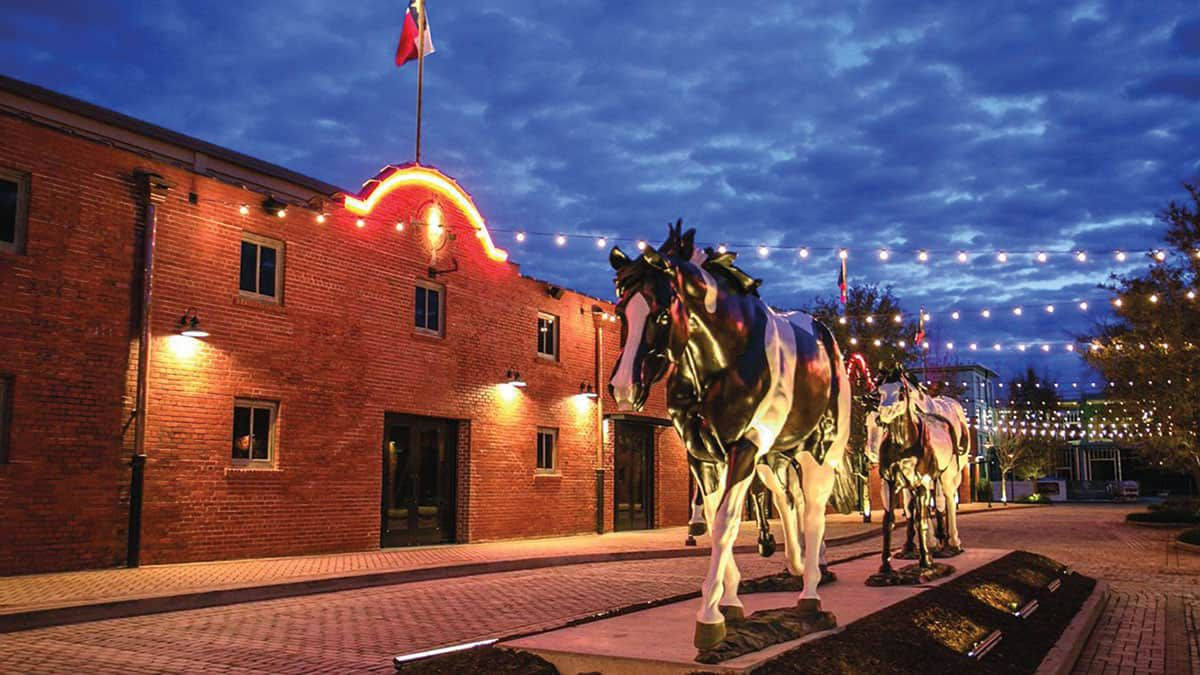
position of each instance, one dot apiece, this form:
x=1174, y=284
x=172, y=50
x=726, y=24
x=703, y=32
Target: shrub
x=1163, y=516
x=1191, y=536
x=1035, y=498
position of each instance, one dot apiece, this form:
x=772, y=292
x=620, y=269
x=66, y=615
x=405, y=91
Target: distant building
x=977, y=385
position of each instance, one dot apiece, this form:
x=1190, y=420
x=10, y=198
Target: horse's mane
x=717, y=264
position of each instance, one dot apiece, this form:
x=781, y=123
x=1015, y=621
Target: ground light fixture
x=586, y=389
x=513, y=378
x=189, y=324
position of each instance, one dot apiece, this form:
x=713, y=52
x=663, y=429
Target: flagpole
x=420, y=69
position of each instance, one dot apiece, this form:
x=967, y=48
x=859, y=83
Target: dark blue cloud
x=860, y=123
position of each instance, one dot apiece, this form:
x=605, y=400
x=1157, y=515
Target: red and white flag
x=410, y=36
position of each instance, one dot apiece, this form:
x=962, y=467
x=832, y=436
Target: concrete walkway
x=37, y=600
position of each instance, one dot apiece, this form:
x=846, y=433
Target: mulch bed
x=933, y=631
x=482, y=660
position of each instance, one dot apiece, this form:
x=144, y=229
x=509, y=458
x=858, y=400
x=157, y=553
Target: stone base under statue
x=658, y=641
x=910, y=575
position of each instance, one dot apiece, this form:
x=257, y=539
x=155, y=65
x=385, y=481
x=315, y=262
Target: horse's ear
x=688, y=243
x=654, y=258
x=617, y=258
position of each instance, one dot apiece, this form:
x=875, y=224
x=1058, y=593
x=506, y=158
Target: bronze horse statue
x=749, y=390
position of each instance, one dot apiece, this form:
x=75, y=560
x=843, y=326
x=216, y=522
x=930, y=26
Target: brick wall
x=65, y=331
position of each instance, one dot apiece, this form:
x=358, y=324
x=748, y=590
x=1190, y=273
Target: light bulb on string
x=360, y=223
x=641, y=245
x=804, y=252
x=601, y=242
x=1081, y=256
x=962, y=256
x=884, y=254
x=1049, y=309
x=1160, y=255
x=954, y=315
x=320, y=218
x=923, y=255
x=722, y=248
x=560, y=239
x=763, y=251
x=1041, y=256
x=987, y=313
x=244, y=210
x=1002, y=257
x=1017, y=311
x=520, y=237
x=1083, y=306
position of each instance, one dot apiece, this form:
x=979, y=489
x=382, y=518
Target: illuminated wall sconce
x=585, y=389
x=189, y=324
x=513, y=378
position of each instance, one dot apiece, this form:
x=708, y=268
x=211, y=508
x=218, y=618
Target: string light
x=923, y=255
x=1118, y=302
x=722, y=248
x=400, y=226
x=601, y=242
x=560, y=240
x=1049, y=309
x=804, y=253
x=1081, y=256
x=1120, y=256
x=520, y=237
x=1002, y=257
x=1191, y=295
x=641, y=244
x=360, y=223
x=1017, y=311
x=954, y=315
x=281, y=213
x=763, y=251
x=1041, y=256
x=897, y=318
x=950, y=346
x=883, y=254
x=987, y=313
x=244, y=210
x=962, y=256
x=1083, y=306
x=320, y=218
x=1160, y=255
x=1154, y=298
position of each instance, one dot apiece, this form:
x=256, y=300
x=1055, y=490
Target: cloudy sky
x=946, y=126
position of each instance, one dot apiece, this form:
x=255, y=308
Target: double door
x=633, y=484
x=420, y=471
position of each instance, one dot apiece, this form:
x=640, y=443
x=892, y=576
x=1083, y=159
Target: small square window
x=430, y=304
x=547, y=337
x=547, y=439
x=6, y=389
x=253, y=432
x=14, y=205
x=261, y=270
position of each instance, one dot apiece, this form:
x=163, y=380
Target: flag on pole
x=920, y=337
x=842, y=280
x=410, y=36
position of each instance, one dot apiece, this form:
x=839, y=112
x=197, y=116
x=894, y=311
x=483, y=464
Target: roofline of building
x=88, y=120
x=959, y=367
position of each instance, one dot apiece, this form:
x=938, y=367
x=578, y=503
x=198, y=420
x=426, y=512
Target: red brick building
x=358, y=384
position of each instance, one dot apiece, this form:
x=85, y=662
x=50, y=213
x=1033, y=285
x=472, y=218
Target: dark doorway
x=633, y=464
x=419, y=480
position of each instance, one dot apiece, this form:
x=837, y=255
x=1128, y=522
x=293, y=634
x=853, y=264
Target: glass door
x=633, y=479
x=419, y=481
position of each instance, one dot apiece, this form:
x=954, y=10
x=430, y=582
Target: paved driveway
x=1148, y=626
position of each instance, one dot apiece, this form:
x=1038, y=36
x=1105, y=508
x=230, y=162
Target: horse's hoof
x=766, y=546
x=690, y=541
x=733, y=612
x=697, y=529
x=809, y=605
x=828, y=576
x=708, y=635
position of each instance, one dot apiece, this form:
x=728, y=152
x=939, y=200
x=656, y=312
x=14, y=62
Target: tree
x=1029, y=455
x=1148, y=353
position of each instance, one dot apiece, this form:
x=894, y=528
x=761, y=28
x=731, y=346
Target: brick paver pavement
x=34, y=591
x=361, y=630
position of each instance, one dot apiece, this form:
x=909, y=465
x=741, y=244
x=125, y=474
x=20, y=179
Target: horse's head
x=894, y=393
x=647, y=306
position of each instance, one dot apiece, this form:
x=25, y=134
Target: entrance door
x=633, y=444
x=419, y=480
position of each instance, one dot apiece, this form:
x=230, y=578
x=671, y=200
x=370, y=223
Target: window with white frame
x=254, y=432
x=547, y=338
x=261, y=272
x=14, y=209
x=547, y=441
x=430, y=304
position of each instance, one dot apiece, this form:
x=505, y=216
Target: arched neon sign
x=436, y=181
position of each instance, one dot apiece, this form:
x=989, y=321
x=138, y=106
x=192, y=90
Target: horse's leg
x=910, y=539
x=697, y=525
x=787, y=518
x=766, y=541
x=939, y=512
x=922, y=516
x=818, y=483
x=710, y=623
x=950, y=484
x=886, y=490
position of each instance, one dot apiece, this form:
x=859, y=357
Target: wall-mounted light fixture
x=189, y=324
x=513, y=378
x=585, y=389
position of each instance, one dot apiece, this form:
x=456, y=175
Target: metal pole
x=420, y=69
x=154, y=190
